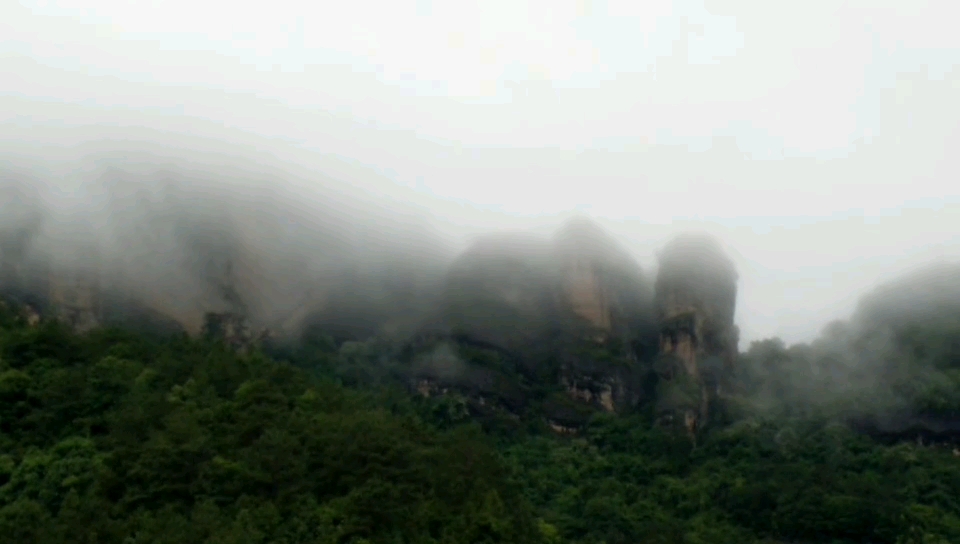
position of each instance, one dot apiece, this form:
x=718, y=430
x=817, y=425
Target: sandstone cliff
x=498, y=292
x=75, y=299
x=606, y=307
x=573, y=309
x=696, y=293
x=511, y=288
x=574, y=312
x=600, y=283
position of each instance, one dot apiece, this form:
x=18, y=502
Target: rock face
x=229, y=279
x=75, y=299
x=695, y=304
x=573, y=311
x=575, y=304
x=599, y=283
x=499, y=292
x=510, y=289
x=606, y=308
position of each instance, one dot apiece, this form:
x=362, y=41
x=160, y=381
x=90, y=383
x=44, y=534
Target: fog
x=815, y=140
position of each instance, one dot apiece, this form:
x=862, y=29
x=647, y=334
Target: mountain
x=421, y=419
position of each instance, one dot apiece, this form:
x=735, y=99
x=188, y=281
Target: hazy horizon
x=815, y=140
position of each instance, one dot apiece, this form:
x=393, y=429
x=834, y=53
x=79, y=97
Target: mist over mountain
x=891, y=368
x=184, y=237
x=670, y=272
x=471, y=393
x=154, y=232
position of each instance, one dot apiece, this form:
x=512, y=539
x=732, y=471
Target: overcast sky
x=819, y=139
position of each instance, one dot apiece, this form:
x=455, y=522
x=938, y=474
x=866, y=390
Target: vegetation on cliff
x=122, y=437
x=114, y=437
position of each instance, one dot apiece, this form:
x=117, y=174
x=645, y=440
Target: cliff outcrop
x=75, y=299
x=499, y=292
x=606, y=307
x=573, y=310
x=696, y=293
x=570, y=320
x=600, y=284
x=512, y=289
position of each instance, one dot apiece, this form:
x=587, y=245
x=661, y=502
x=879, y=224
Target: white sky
x=818, y=138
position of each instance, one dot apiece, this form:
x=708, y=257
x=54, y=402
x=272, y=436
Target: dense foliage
x=117, y=437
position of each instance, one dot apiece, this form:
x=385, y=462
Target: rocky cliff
x=606, y=307
x=573, y=310
x=75, y=299
x=696, y=292
x=499, y=292
x=599, y=282
x=522, y=316
x=510, y=289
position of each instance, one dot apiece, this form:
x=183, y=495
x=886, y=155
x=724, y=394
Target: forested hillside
x=120, y=437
